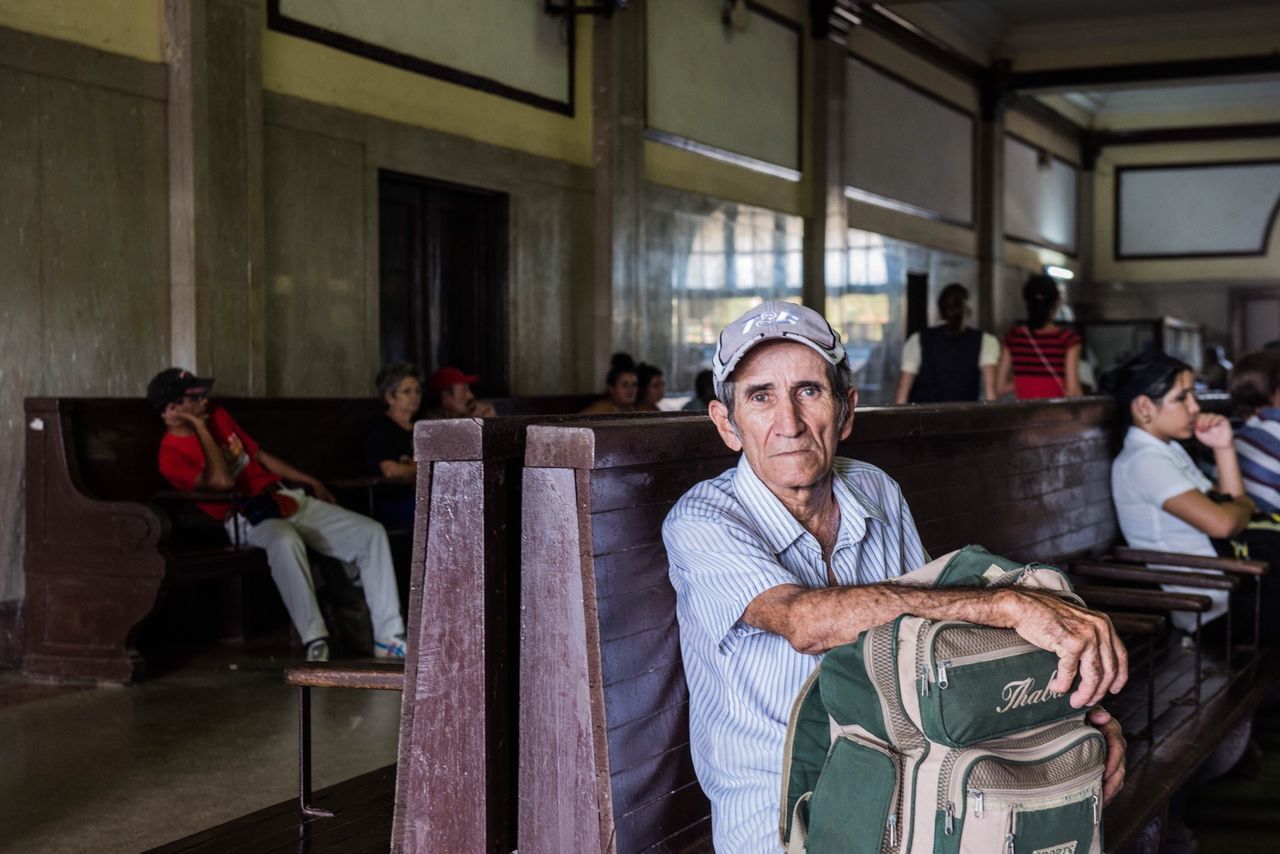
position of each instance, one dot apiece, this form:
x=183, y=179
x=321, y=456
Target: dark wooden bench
x=604, y=758
x=103, y=549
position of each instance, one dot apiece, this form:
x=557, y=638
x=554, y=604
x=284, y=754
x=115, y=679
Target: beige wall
x=83, y=252
x=132, y=28
x=320, y=74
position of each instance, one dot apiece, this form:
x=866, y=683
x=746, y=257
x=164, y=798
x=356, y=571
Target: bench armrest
x=1156, y=600
x=1127, y=623
x=371, y=482
x=1225, y=564
x=368, y=675
x=1129, y=572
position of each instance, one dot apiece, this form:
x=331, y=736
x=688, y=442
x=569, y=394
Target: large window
x=727, y=260
x=871, y=311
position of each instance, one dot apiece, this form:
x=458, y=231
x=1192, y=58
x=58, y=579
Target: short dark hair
x=619, y=364
x=1151, y=373
x=394, y=373
x=839, y=377
x=1254, y=380
x=1041, y=294
x=952, y=303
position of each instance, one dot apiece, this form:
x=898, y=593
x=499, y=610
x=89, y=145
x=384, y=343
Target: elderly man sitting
x=792, y=553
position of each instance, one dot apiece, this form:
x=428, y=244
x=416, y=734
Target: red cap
x=449, y=376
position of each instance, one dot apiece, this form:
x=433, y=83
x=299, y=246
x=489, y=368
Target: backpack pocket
x=1037, y=799
x=978, y=683
x=855, y=808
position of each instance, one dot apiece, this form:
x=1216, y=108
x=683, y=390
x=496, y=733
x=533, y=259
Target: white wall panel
x=1040, y=199
x=733, y=90
x=1223, y=209
x=908, y=147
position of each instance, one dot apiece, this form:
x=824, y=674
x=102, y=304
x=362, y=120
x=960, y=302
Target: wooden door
x=443, y=278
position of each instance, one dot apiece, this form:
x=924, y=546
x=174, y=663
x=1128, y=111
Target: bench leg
x=304, y=756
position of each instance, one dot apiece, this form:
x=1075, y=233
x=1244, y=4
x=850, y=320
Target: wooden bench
x=101, y=552
x=604, y=755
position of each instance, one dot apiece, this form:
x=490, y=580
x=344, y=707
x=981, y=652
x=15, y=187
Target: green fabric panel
x=850, y=807
x=810, y=743
x=1059, y=830
x=965, y=712
x=966, y=567
x=943, y=844
x=847, y=690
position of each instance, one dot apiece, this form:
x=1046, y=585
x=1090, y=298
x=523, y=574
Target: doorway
x=442, y=259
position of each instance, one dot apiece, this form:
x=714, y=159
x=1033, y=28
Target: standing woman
x=949, y=362
x=1163, y=501
x=1040, y=359
x=651, y=386
x=619, y=387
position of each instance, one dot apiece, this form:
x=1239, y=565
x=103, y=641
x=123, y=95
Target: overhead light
x=1059, y=272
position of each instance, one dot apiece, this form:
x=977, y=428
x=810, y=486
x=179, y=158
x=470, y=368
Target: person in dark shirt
x=388, y=443
x=949, y=362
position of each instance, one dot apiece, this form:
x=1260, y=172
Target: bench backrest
x=604, y=756
x=456, y=782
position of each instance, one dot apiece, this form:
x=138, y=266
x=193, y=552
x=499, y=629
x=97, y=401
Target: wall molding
x=84, y=66
x=282, y=23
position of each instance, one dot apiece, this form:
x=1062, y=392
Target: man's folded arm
x=814, y=621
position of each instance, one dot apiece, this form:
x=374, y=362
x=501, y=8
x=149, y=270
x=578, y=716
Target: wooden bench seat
x=604, y=755
x=107, y=538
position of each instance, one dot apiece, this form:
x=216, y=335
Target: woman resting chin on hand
x=1163, y=502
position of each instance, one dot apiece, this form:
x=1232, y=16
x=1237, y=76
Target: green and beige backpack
x=942, y=736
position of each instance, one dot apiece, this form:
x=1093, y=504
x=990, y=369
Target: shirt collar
x=1269, y=413
x=1137, y=436
x=779, y=528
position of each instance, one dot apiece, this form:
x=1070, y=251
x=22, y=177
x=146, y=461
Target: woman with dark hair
x=1041, y=359
x=949, y=362
x=388, y=443
x=651, y=385
x=1163, y=501
x=1255, y=388
x=620, y=387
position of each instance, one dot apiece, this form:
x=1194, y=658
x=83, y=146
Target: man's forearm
x=216, y=474
x=275, y=465
x=814, y=621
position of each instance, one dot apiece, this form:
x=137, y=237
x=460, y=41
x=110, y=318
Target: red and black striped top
x=1033, y=375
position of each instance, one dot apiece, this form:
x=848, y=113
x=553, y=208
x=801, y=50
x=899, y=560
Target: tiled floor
x=123, y=769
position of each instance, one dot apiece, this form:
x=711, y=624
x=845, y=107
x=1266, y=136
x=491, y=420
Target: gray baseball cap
x=768, y=321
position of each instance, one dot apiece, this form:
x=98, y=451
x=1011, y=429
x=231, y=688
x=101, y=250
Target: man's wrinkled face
x=457, y=400
x=786, y=415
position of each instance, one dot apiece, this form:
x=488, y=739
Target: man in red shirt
x=204, y=448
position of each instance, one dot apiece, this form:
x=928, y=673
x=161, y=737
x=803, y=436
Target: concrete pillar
x=618, y=77
x=988, y=184
x=826, y=225
x=216, y=249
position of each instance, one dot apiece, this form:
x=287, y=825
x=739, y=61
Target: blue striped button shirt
x=1258, y=448
x=729, y=539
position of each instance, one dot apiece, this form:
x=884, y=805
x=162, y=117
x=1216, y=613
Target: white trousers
x=332, y=531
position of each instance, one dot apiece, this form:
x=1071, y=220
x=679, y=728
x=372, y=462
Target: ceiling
x=1037, y=35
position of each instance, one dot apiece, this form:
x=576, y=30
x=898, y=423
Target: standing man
x=454, y=398
x=792, y=553
x=204, y=448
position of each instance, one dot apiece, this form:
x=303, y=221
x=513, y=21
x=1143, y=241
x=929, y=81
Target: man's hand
x=1084, y=641
x=1213, y=431
x=177, y=418
x=1113, y=773
x=322, y=492
x=484, y=409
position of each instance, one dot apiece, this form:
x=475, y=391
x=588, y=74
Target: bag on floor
x=943, y=736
